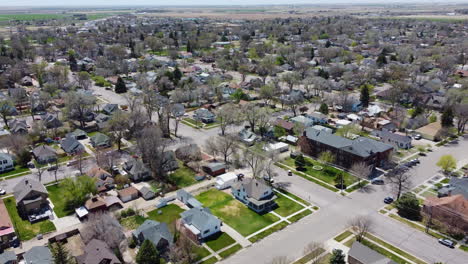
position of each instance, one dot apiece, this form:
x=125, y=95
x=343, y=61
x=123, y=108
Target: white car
x=2, y=192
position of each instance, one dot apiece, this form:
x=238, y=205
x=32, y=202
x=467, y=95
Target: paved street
x=336, y=211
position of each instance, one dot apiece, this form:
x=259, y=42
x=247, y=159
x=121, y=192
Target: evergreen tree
x=72, y=61
x=381, y=60
x=337, y=257
x=177, y=74
x=189, y=46
x=120, y=86
x=299, y=161
x=323, y=109
x=148, y=254
x=447, y=117
x=323, y=74
x=312, y=53
x=60, y=254
x=327, y=44
x=364, y=95
x=408, y=206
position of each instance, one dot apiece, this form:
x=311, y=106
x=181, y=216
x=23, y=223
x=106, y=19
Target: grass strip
x=343, y=236
x=299, y=216
x=395, y=249
x=310, y=256
x=268, y=232
x=230, y=251
x=211, y=260
x=309, y=178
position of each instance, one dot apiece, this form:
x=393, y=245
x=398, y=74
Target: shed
x=214, y=168
x=188, y=199
x=147, y=193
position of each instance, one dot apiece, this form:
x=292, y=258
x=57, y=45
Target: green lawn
x=56, y=196
x=299, y=216
x=17, y=170
x=343, y=236
x=234, y=213
x=286, y=206
x=228, y=252
x=327, y=174
x=200, y=252
x=350, y=242
x=325, y=259
x=384, y=252
x=268, y=232
x=24, y=228
x=219, y=241
x=169, y=214
x=294, y=197
x=309, y=178
x=211, y=260
x=183, y=176
x=132, y=222
x=464, y=248
x=307, y=258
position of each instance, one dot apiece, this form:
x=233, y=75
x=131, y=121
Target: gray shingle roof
x=384, y=134
x=44, y=151
x=367, y=255
x=154, y=232
x=38, y=255
x=95, y=252
x=254, y=188
x=200, y=218
x=71, y=144
x=7, y=256
x=25, y=186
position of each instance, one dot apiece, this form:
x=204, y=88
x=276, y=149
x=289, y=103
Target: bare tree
x=39, y=171
x=227, y=115
x=226, y=146
x=153, y=147
x=270, y=168
x=183, y=251
x=461, y=113
x=6, y=110
x=361, y=225
x=255, y=162
x=361, y=170
x=103, y=227
x=400, y=181
x=314, y=251
x=118, y=126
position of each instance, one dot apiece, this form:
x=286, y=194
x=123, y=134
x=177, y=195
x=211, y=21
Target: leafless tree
x=183, y=251
x=225, y=146
x=313, y=250
x=400, y=181
x=103, y=227
x=118, y=126
x=188, y=153
x=461, y=113
x=361, y=170
x=153, y=147
x=255, y=162
x=39, y=171
x=227, y=115
x=361, y=225
x=270, y=168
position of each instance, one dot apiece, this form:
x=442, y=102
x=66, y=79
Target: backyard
x=24, y=228
x=234, y=213
x=56, y=196
x=183, y=176
x=167, y=214
x=326, y=174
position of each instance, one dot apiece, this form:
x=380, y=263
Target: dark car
x=377, y=181
x=289, y=173
x=388, y=200
x=52, y=168
x=447, y=242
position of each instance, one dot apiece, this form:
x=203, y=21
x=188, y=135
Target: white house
x=200, y=223
x=6, y=162
x=278, y=147
x=226, y=180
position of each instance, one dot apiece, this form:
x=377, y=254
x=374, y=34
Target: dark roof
x=135, y=166
x=109, y=108
x=38, y=255
x=44, y=151
x=366, y=255
x=7, y=256
x=99, y=138
x=361, y=146
x=459, y=186
x=154, y=232
x=70, y=144
x=215, y=166
x=95, y=252
x=17, y=125
x=25, y=186
x=385, y=134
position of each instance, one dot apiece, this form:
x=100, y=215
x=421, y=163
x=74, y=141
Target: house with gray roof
x=360, y=254
x=97, y=252
x=347, y=152
x=101, y=118
x=18, y=126
x=136, y=169
x=247, y=136
x=156, y=232
x=31, y=197
x=394, y=139
x=38, y=255
x=78, y=134
x=8, y=257
x=51, y=120
x=71, y=145
x=44, y=154
x=100, y=140
x=178, y=110
x=6, y=162
x=187, y=199
x=110, y=108
x=147, y=193
x=204, y=115
x=303, y=120
x=455, y=186
x=255, y=194
x=198, y=223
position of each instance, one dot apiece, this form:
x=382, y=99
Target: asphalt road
x=336, y=211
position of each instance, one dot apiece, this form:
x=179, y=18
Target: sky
x=84, y=3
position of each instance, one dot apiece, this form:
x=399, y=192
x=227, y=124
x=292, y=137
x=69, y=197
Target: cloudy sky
x=199, y=2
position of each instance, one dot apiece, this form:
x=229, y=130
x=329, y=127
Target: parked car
x=2, y=192
x=447, y=242
x=388, y=200
x=53, y=168
x=31, y=165
x=415, y=161
x=289, y=173
x=417, y=136
x=268, y=179
x=377, y=181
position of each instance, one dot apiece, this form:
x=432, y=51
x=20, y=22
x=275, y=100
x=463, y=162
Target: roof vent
x=26, y=181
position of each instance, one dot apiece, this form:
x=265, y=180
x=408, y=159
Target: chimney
x=26, y=181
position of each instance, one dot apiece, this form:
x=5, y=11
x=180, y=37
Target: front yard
x=326, y=174
x=18, y=170
x=56, y=196
x=286, y=206
x=234, y=213
x=219, y=241
x=24, y=228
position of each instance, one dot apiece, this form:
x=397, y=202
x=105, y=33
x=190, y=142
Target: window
x=206, y=231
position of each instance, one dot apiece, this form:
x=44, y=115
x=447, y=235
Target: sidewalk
x=234, y=234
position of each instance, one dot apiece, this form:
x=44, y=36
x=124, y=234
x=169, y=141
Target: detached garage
x=128, y=194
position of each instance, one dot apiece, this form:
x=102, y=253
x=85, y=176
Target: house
x=110, y=108
x=396, y=140
x=100, y=140
x=204, y=115
x=360, y=254
x=31, y=197
x=71, y=145
x=278, y=147
x=255, y=194
x=51, y=121
x=452, y=210
x=455, y=186
x=97, y=252
x=430, y=131
x=318, y=117
x=78, y=134
x=214, y=168
x=136, y=169
x=128, y=194
x=303, y=120
x=178, y=110
x=44, y=154
x=38, y=255
x=18, y=126
x=156, y=232
x=101, y=118
x=104, y=180
x=170, y=161
x=198, y=223
x=247, y=136
x=286, y=125
x=7, y=230
x=103, y=203
x=322, y=128
x=8, y=257
x=6, y=162
x=147, y=193
x=347, y=152
x=187, y=199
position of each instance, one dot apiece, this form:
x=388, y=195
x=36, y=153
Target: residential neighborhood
x=284, y=134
